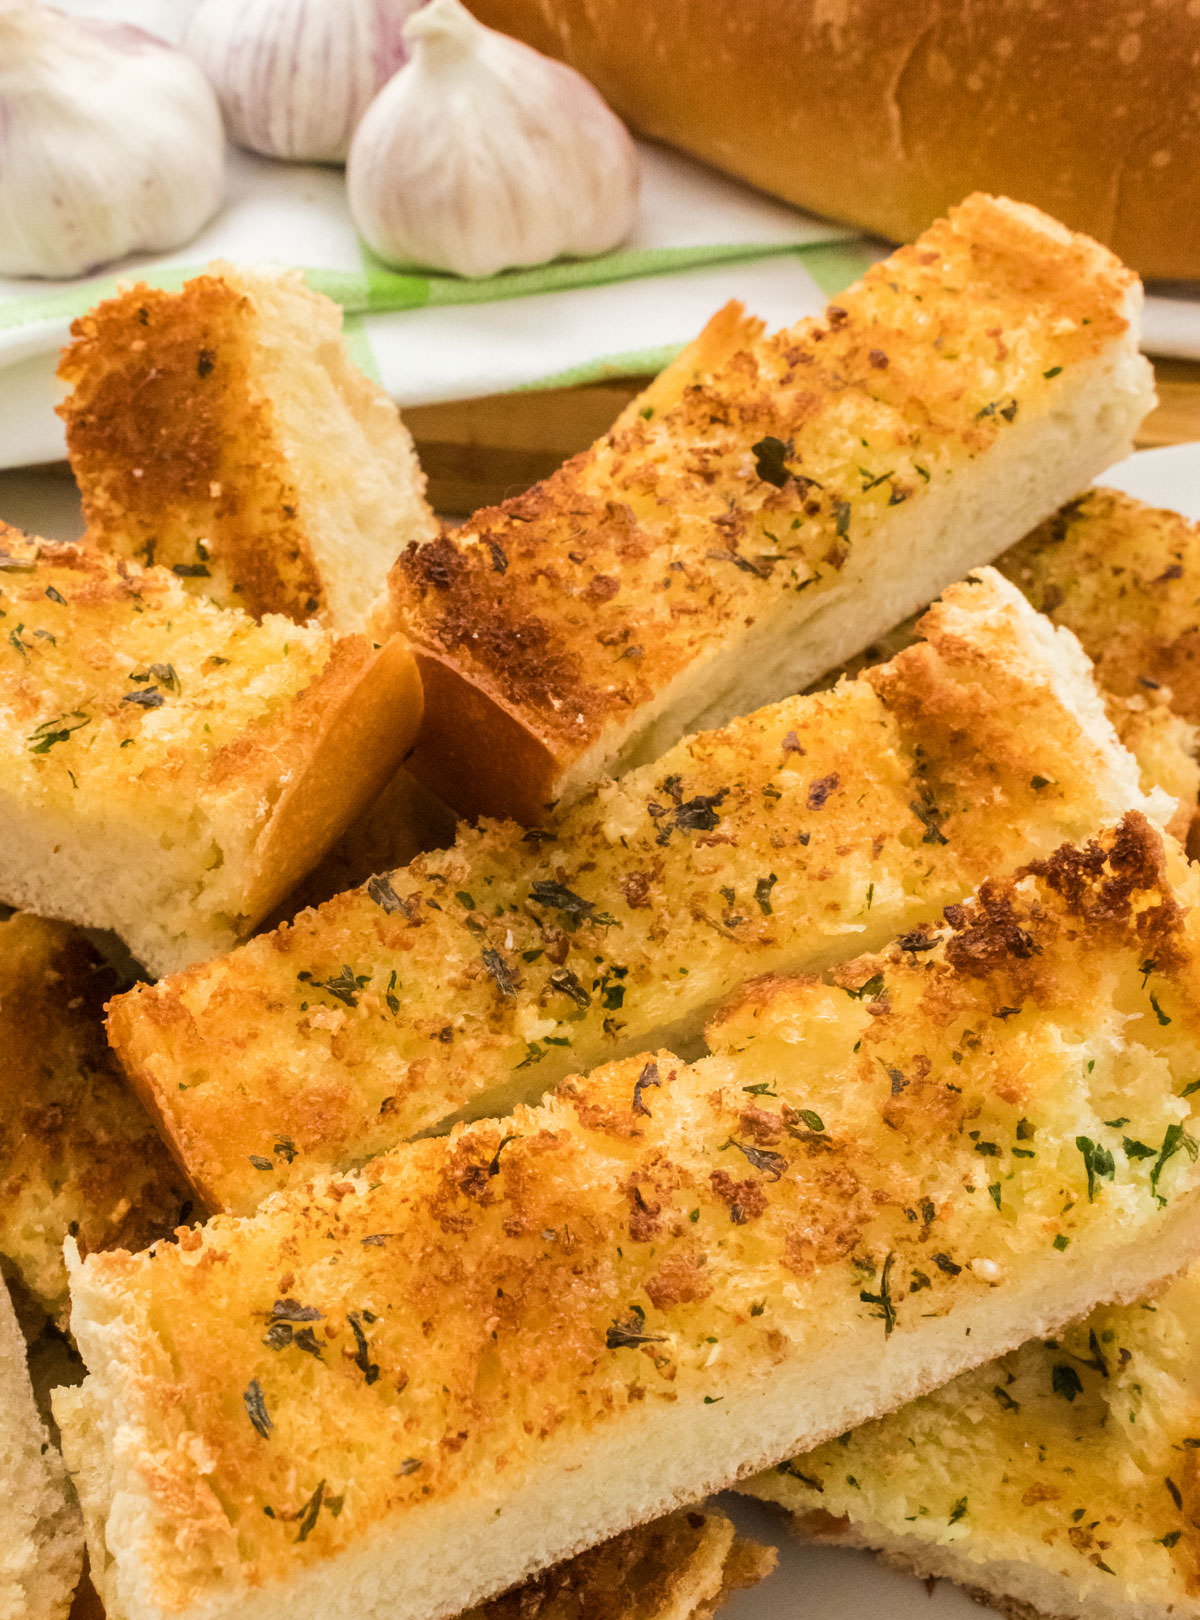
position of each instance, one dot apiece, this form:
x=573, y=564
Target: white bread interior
x=41, y=1536
x=342, y=439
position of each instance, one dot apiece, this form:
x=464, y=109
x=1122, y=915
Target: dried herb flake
x=628, y=1335
x=256, y=1407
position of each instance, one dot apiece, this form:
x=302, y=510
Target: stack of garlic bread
x=482, y=975
x=693, y=1118
x=416, y=1384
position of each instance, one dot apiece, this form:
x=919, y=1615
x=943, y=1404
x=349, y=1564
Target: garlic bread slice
x=479, y=976
x=407, y=1388
x=770, y=507
x=171, y=769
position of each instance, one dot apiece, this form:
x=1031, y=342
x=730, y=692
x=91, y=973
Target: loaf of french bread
x=884, y=115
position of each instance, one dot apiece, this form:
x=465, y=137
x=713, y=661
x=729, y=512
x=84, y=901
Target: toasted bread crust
x=77, y=1154
x=543, y=1292
x=171, y=769
x=485, y=973
x=184, y=357
x=578, y=608
x=208, y=430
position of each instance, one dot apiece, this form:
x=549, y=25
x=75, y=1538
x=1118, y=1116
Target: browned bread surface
x=483, y=974
x=665, y=1276
x=886, y=115
x=78, y=1155
x=703, y=557
x=223, y=432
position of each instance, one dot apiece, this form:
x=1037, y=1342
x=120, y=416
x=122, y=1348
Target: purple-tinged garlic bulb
x=110, y=143
x=295, y=76
x=482, y=154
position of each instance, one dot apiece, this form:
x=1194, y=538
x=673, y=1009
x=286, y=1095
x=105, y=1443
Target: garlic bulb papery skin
x=482, y=155
x=295, y=76
x=110, y=143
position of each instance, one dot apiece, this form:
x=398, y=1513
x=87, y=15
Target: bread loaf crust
x=885, y=115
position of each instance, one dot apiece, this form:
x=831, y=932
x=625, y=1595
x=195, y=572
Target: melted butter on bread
x=481, y=975
x=418, y=1383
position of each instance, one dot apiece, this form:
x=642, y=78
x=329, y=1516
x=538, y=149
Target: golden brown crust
x=1124, y=576
x=472, y=1303
x=78, y=1156
x=885, y=116
x=477, y=749
x=162, y=424
x=481, y=974
x=355, y=725
x=574, y=608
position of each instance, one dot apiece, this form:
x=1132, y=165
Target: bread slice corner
x=224, y=431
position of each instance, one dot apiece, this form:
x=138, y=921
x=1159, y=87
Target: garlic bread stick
x=478, y=976
x=399, y=1391
x=769, y=506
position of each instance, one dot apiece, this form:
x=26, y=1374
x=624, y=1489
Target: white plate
x=810, y=1583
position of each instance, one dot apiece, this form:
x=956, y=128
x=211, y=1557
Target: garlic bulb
x=110, y=142
x=482, y=154
x=295, y=76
